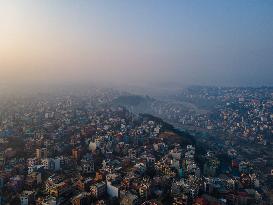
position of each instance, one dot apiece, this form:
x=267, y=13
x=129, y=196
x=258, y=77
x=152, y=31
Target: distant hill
x=134, y=103
x=130, y=100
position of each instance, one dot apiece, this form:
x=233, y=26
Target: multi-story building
x=98, y=189
x=27, y=197
x=59, y=189
x=76, y=153
x=87, y=166
x=82, y=199
x=41, y=153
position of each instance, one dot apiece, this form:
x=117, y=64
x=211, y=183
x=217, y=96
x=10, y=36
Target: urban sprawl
x=80, y=148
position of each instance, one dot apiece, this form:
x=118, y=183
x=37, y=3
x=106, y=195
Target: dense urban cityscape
x=136, y=102
x=88, y=148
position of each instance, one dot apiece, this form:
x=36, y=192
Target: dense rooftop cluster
x=81, y=149
x=245, y=113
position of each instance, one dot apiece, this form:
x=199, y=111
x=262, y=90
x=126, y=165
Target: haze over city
x=136, y=102
x=137, y=42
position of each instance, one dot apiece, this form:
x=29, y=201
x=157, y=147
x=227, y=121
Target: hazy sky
x=189, y=42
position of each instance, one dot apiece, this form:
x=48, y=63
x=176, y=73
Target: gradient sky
x=145, y=41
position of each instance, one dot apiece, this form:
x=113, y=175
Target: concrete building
x=98, y=189
x=27, y=197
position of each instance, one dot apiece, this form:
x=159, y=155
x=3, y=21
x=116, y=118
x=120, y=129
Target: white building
x=112, y=191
